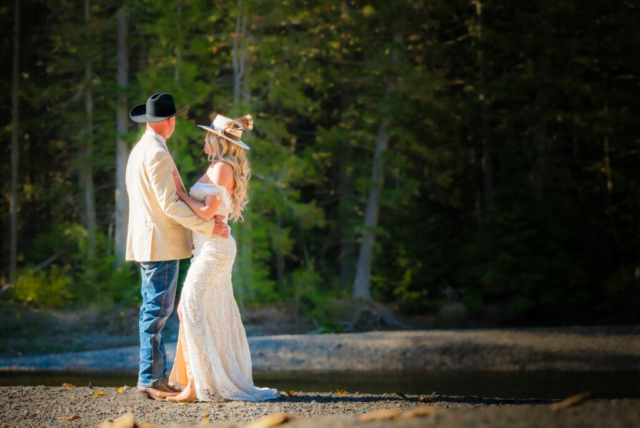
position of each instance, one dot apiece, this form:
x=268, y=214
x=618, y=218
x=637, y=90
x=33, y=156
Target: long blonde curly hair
x=225, y=151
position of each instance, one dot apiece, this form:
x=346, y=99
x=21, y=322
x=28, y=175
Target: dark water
x=461, y=383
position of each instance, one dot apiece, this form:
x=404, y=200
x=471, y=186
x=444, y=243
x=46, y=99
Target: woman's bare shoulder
x=221, y=173
x=221, y=167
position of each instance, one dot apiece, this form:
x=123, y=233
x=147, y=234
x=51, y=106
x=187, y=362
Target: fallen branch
x=47, y=262
x=571, y=401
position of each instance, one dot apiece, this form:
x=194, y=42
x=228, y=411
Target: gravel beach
x=582, y=349
x=88, y=407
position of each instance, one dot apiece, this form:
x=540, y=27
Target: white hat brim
x=221, y=134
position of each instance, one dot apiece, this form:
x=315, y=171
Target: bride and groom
x=166, y=224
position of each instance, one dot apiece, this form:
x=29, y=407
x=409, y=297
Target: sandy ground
x=565, y=349
x=55, y=407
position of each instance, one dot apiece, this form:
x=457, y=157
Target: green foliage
x=73, y=279
x=520, y=257
x=314, y=299
x=102, y=284
x=511, y=174
x=44, y=289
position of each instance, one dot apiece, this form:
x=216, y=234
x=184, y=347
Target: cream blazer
x=159, y=221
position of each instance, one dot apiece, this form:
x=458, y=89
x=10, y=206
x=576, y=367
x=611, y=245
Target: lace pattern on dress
x=200, y=191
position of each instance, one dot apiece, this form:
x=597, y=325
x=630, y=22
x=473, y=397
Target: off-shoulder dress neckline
x=215, y=184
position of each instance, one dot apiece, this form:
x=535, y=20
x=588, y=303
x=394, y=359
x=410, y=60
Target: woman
x=212, y=359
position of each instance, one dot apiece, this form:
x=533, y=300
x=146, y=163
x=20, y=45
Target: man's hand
x=180, y=312
x=221, y=229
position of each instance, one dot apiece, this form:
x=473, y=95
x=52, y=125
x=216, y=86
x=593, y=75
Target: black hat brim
x=139, y=114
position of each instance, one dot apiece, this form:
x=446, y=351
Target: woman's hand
x=179, y=312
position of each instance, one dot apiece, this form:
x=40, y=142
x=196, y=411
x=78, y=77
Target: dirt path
x=54, y=407
x=574, y=348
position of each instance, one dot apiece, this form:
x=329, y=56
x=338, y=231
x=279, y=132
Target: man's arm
x=162, y=182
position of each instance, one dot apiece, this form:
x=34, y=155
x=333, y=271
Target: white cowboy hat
x=230, y=129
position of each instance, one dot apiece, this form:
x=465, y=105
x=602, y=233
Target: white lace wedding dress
x=212, y=345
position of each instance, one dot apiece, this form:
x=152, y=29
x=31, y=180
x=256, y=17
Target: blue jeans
x=159, y=283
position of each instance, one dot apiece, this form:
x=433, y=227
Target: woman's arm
x=205, y=210
x=221, y=175
x=158, y=166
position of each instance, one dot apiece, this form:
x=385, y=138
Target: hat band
x=232, y=130
x=232, y=136
x=228, y=132
x=224, y=131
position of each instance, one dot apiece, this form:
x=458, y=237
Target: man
x=158, y=235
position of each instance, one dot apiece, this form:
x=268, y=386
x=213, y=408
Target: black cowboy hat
x=158, y=107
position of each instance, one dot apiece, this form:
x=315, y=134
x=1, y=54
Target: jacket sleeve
x=159, y=167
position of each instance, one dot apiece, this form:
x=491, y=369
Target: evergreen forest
x=410, y=153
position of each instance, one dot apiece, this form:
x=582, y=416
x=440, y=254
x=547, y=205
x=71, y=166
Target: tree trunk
x=178, y=55
x=362, y=284
x=609, y=204
x=542, y=96
x=121, y=145
x=86, y=171
x=13, y=200
x=486, y=163
x=238, y=55
x=636, y=273
x=607, y=168
x=243, y=268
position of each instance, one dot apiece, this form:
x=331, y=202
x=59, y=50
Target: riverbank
x=28, y=331
x=88, y=407
x=518, y=349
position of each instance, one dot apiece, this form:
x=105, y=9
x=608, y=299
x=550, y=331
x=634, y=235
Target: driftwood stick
x=47, y=262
